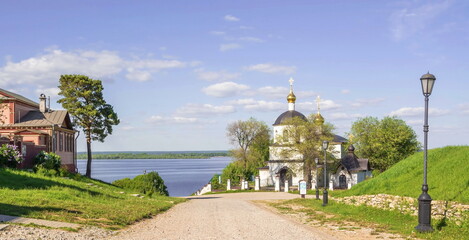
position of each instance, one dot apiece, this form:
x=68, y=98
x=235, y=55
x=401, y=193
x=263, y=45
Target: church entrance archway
x=342, y=182
x=285, y=174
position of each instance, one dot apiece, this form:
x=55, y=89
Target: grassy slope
x=448, y=177
x=84, y=200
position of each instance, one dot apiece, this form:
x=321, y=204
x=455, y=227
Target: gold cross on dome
x=318, y=101
x=291, y=82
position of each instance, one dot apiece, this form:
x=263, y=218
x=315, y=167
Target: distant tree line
x=193, y=155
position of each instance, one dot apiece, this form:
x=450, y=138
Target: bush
x=9, y=156
x=49, y=161
x=149, y=184
x=215, y=183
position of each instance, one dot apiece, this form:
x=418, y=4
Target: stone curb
x=47, y=223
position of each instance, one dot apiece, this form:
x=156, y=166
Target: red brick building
x=34, y=127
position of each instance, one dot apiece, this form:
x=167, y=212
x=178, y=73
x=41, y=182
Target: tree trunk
x=88, y=163
x=307, y=175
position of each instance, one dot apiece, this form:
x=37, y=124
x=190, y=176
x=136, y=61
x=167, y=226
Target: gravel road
x=218, y=216
x=222, y=216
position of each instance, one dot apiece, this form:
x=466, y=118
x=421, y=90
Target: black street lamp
x=425, y=201
x=325, y=144
x=317, y=178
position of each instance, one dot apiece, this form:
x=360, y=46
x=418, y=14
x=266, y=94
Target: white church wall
x=338, y=151
x=275, y=167
x=275, y=153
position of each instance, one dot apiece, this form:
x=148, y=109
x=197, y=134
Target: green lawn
x=378, y=219
x=79, y=200
x=448, y=177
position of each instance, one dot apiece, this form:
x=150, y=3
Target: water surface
x=182, y=176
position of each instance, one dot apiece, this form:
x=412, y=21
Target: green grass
x=447, y=174
x=380, y=220
x=80, y=200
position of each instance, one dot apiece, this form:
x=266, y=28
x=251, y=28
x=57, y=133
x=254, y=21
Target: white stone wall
x=265, y=178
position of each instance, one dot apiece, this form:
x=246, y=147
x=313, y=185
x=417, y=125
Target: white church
x=281, y=169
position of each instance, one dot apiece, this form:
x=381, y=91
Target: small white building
x=281, y=168
x=350, y=171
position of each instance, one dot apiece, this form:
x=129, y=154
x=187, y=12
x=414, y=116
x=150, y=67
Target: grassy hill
x=447, y=174
x=76, y=199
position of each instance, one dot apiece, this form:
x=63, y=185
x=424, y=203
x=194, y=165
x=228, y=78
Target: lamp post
x=325, y=144
x=425, y=201
x=317, y=178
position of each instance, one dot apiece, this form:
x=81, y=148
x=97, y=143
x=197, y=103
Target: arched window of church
x=286, y=135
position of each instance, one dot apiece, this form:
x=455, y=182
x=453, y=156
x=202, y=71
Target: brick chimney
x=42, y=103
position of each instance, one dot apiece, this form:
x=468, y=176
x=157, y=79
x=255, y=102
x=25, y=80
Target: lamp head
x=316, y=160
x=325, y=144
x=427, y=80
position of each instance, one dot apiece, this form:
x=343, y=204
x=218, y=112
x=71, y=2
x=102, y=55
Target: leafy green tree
x=83, y=99
x=384, y=142
x=304, y=138
x=252, y=138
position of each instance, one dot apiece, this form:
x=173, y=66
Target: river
x=182, y=176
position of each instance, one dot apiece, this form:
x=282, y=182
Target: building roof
x=354, y=164
x=288, y=115
x=339, y=139
x=47, y=119
x=14, y=96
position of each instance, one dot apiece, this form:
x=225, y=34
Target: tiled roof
x=18, y=97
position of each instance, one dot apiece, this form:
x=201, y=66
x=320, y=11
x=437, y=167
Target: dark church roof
x=339, y=139
x=352, y=163
x=288, y=115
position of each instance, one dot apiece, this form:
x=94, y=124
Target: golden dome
x=291, y=98
x=318, y=119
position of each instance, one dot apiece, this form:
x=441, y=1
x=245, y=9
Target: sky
x=178, y=72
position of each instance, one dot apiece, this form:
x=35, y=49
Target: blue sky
x=177, y=72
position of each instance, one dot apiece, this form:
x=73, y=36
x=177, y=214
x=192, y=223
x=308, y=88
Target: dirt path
x=230, y=216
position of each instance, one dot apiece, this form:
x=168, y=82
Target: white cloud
x=137, y=75
x=216, y=76
x=282, y=92
x=274, y=92
x=204, y=109
x=225, y=89
x=231, y=18
x=126, y=128
x=229, y=46
x=245, y=27
x=171, y=120
x=415, y=122
x=270, y=68
x=345, y=91
x=366, y=102
x=45, y=70
x=251, y=39
x=345, y=116
x=412, y=20
x=52, y=92
x=417, y=111
x=312, y=106
x=464, y=108
x=259, y=105
x=218, y=33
